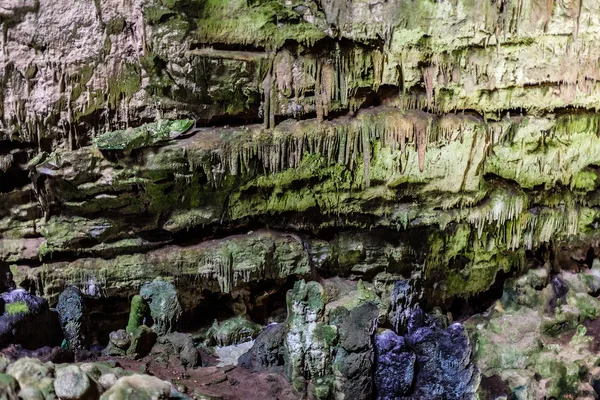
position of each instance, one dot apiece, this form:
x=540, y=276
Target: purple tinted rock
x=394, y=366
x=430, y=362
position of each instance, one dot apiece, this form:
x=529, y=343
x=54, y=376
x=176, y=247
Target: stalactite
x=267, y=86
x=429, y=74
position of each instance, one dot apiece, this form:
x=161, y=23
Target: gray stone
x=165, y=309
x=267, y=351
x=120, y=339
x=107, y=380
x=72, y=383
x=142, y=340
x=183, y=347
x=70, y=310
x=140, y=387
x=353, y=364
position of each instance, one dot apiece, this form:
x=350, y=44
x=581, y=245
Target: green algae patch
x=266, y=23
x=18, y=307
x=139, y=309
x=142, y=136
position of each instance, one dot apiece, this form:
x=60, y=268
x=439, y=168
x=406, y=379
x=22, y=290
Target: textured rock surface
x=142, y=340
x=539, y=338
x=163, y=303
x=466, y=138
x=430, y=362
x=26, y=319
x=72, y=383
x=71, y=309
x=424, y=150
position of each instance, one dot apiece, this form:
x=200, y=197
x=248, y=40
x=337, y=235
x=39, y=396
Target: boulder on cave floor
x=140, y=387
x=165, y=310
x=429, y=362
x=232, y=331
x=182, y=346
x=142, y=340
x=33, y=376
x=71, y=314
x=71, y=383
x=26, y=319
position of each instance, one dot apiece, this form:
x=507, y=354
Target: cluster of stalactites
x=517, y=226
x=332, y=79
x=346, y=142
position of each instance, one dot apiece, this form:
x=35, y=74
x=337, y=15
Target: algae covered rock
x=142, y=136
x=9, y=387
x=26, y=319
x=32, y=373
x=138, y=311
x=142, y=340
x=232, y=331
x=71, y=308
x=163, y=302
x=535, y=341
x=309, y=339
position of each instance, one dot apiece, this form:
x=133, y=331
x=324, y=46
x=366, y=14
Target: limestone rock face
x=423, y=150
x=309, y=339
x=543, y=328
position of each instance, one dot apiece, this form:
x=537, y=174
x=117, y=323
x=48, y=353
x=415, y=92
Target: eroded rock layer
x=370, y=158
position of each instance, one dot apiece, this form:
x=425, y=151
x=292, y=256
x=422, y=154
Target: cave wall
x=448, y=140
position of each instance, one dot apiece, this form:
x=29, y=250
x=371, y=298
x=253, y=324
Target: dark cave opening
x=463, y=308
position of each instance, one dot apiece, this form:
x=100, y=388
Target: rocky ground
x=536, y=336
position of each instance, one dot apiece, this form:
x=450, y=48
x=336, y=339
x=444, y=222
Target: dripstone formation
x=320, y=199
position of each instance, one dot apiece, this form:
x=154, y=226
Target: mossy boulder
x=232, y=331
x=138, y=387
x=142, y=136
x=142, y=340
x=163, y=301
x=9, y=387
x=26, y=319
x=32, y=373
